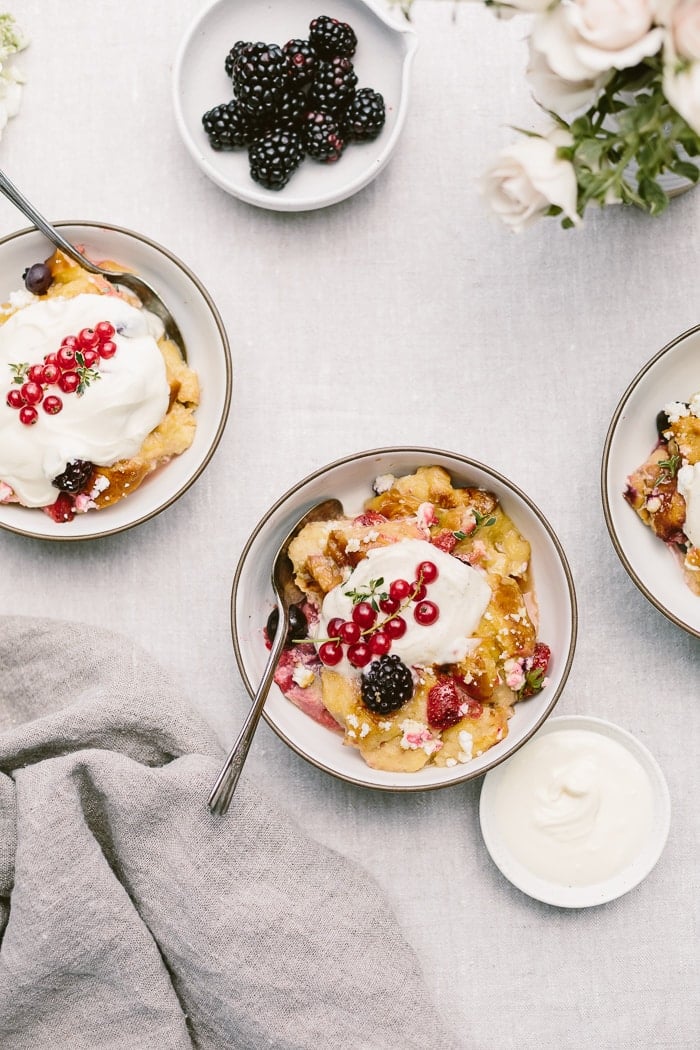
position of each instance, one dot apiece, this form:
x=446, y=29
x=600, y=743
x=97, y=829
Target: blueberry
x=298, y=625
x=37, y=278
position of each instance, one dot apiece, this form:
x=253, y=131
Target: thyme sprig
x=669, y=469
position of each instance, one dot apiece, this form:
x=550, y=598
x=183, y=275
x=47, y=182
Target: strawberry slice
x=449, y=702
x=535, y=671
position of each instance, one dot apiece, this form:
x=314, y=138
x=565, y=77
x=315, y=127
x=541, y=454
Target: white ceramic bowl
x=383, y=61
x=207, y=351
x=671, y=375
x=556, y=893
x=350, y=480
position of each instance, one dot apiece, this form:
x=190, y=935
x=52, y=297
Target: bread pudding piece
x=665, y=489
x=129, y=410
x=423, y=616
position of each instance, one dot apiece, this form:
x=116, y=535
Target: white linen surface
x=403, y=315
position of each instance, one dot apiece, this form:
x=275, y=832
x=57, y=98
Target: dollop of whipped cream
x=109, y=421
x=688, y=480
x=460, y=592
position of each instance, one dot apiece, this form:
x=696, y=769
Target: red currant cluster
x=366, y=635
x=71, y=369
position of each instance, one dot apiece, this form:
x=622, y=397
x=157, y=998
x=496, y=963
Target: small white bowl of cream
x=579, y=815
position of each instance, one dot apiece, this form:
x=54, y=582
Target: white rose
x=682, y=89
x=528, y=177
x=584, y=38
x=557, y=94
x=685, y=28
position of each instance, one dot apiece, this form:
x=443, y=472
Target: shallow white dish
x=673, y=374
x=565, y=896
x=207, y=352
x=383, y=61
x=350, y=480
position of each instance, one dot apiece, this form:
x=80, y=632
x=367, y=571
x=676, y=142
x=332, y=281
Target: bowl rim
x=192, y=277
x=427, y=452
x=267, y=199
x=592, y=895
x=604, y=478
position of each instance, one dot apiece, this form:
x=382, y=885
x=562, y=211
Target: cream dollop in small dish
x=100, y=417
x=423, y=649
x=579, y=816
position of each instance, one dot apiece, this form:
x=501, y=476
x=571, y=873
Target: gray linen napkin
x=132, y=918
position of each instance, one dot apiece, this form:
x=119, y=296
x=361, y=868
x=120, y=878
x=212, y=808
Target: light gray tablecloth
x=403, y=315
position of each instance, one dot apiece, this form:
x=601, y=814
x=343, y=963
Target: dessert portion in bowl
x=417, y=631
x=95, y=396
x=665, y=489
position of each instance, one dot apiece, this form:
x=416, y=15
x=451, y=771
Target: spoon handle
x=50, y=232
x=225, y=784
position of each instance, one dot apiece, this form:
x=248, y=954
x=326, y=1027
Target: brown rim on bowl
x=65, y=538
x=426, y=454
x=607, y=511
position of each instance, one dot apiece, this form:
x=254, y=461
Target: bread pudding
x=417, y=631
x=665, y=489
x=96, y=397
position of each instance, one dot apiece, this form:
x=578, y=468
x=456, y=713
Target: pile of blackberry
x=295, y=100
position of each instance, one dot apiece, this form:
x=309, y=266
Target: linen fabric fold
x=130, y=917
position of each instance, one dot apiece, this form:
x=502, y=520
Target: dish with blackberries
x=651, y=480
x=290, y=107
x=100, y=413
x=422, y=649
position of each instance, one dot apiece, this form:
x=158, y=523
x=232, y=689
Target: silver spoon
x=148, y=296
x=287, y=593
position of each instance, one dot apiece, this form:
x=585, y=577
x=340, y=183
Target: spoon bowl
x=286, y=594
x=150, y=299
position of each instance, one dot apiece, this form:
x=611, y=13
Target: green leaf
x=653, y=195
x=685, y=169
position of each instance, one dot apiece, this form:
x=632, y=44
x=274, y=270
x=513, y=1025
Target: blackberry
x=322, y=136
x=298, y=625
x=329, y=37
x=75, y=477
x=274, y=157
x=37, y=278
x=228, y=126
x=333, y=87
x=302, y=60
x=260, y=75
x=233, y=55
x=290, y=108
x=365, y=116
x=387, y=685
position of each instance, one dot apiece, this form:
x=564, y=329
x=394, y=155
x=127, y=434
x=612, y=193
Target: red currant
x=399, y=590
x=396, y=627
x=104, y=330
x=364, y=615
x=389, y=605
x=427, y=571
x=350, y=632
x=28, y=415
x=426, y=613
x=32, y=393
x=50, y=373
x=90, y=357
x=49, y=359
x=35, y=373
x=359, y=654
x=107, y=349
x=330, y=653
x=419, y=592
x=71, y=341
x=69, y=382
x=334, y=626
x=52, y=404
x=65, y=357
x=379, y=643
x=14, y=398
x=88, y=339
